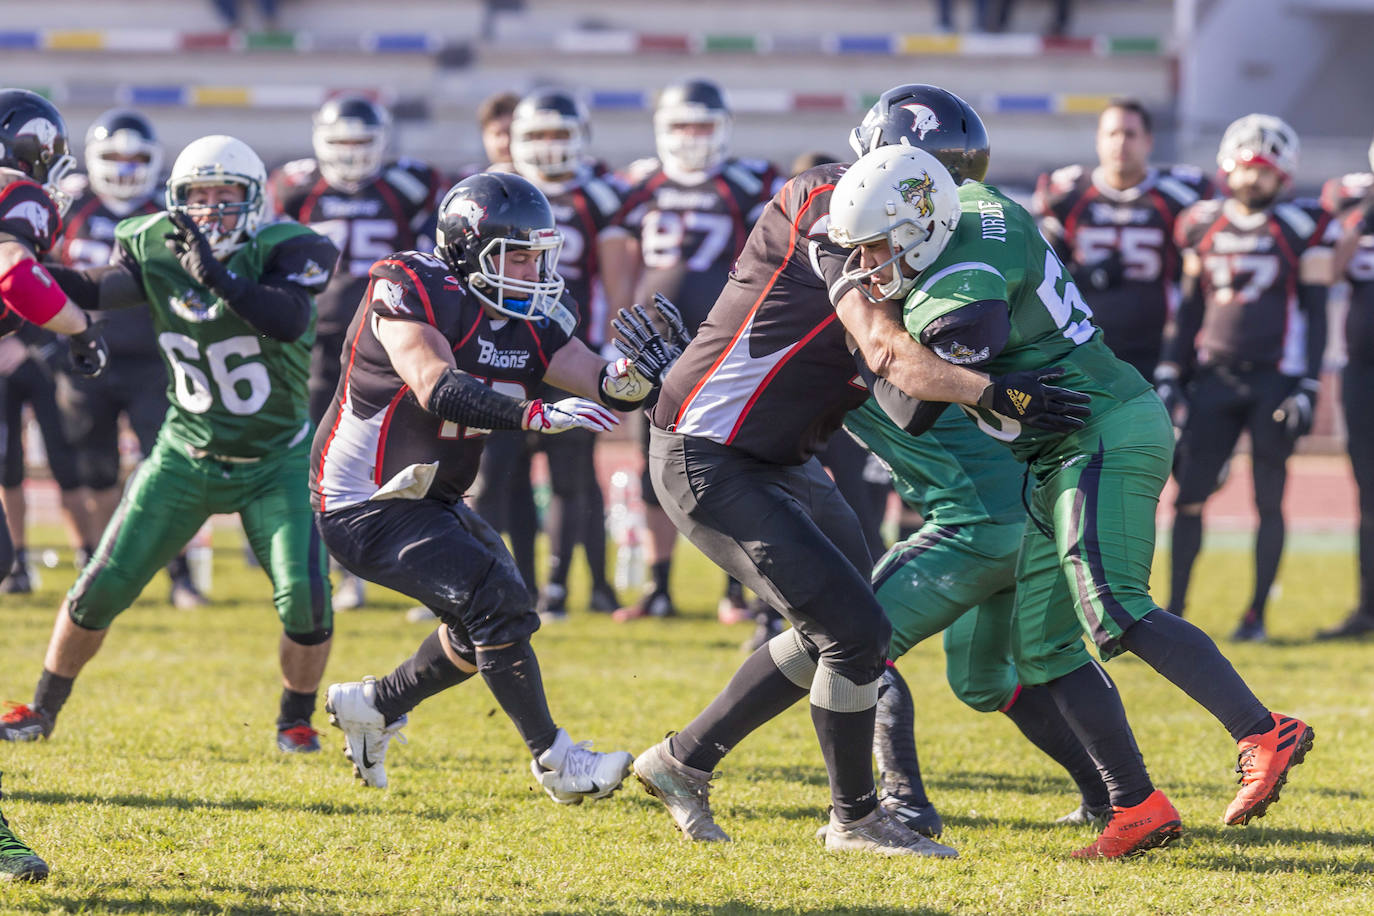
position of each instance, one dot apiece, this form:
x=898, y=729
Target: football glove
x=569, y=413
x=89, y=355
x=652, y=353
x=623, y=385
x=1297, y=411
x=193, y=250
x=1170, y=391
x=1025, y=397
x=1103, y=274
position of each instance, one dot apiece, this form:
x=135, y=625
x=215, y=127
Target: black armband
x=462, y=399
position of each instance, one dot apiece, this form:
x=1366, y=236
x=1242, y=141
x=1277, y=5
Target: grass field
x=161, y=790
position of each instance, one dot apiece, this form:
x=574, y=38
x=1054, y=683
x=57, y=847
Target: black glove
x=1170, y=391
x=1102, y=275
x=1297, y=411
x=1024, y=397
x=651, y=353
x=197, y=257
x=89, y=355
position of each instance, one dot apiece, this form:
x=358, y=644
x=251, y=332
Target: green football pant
x=959, y=580
x=165, y=503
x=1090, y=539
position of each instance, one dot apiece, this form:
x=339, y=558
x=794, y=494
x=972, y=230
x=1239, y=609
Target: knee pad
x=794, y=658
x=313, y=638
x=837, y=693
x=460, y=645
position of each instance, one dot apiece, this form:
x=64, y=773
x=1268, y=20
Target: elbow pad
x=462, y=399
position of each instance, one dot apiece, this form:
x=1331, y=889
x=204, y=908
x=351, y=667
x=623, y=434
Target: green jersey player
x=232, y=301
x=982, y=288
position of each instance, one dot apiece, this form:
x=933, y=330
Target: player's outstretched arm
x=35, y=295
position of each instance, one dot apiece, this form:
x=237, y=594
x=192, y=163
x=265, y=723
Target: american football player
x=443, y=349
x=1246, y=353
x=979, y=285
x=232, y=300
x=684, y=221
x=549, y=133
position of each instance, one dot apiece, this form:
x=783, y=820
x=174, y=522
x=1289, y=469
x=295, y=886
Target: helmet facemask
x=527, y=300
x=115, y=177
x=350, y=152
x=688, y=151
x=58, y=170
x=548, y=158
x=223, y=240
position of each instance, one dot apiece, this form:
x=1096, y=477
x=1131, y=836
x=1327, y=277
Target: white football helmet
x=1259, y=138
x=350, y=137
x=218, y=159
x=679, y=108
x=123, y=156
x=900, y=194
x=547, y=158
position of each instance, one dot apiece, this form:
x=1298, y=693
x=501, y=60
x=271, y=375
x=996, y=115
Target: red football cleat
x=1263, y=764
x=1150, y=824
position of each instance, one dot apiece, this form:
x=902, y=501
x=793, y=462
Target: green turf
x=161, y=790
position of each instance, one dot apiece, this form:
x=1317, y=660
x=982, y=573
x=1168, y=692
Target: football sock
x=1187, y=541
x=1268, y=548
x=560, y=523
x=427, y=672
x=21, y=560
x=1190, y=661
x=512, y=675
x=295, y=707
x=593, y=534
x=1090, y=703
x=179, y=568
x=843, y=713
x=1038, y=717
x=758, y=692
x=734, y=590
x=660, y=572
x=51, y=693
x=894, y=740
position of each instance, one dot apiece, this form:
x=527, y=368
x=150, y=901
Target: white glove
x=624, y=382
x=569, y=413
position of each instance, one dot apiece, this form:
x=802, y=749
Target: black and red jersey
x=690, y=234
x=376, y=441
x=584, y=209
x=1345, y=200
x=1251, y=270
x=768, y=371
x=89, y=241
x=1089, y=222
x=391, y=212
x=29, y=217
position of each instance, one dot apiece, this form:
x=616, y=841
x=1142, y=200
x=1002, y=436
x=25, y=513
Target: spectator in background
x=980, y=16
x=1063, y=10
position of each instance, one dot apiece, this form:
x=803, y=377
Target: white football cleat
x=352, y=709
x=571, y=772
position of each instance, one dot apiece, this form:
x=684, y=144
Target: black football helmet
x=691, y=103
x=33, y=140
x=548, y=111
x=487, y=216
x=123, y=156
x=932, y=119
x=350, y=136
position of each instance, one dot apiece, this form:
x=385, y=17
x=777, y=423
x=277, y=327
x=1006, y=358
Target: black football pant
x=1357, y=384
x=33, y=383
x=1222, y=403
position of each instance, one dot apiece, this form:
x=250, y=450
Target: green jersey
x=948, y=473
x=997, y=255
x=231, y=390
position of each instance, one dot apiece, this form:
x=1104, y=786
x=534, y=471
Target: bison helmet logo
x=916, y=191
x=923, y=119
x=469, y=210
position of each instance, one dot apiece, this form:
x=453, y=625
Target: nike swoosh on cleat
x=367, y=762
